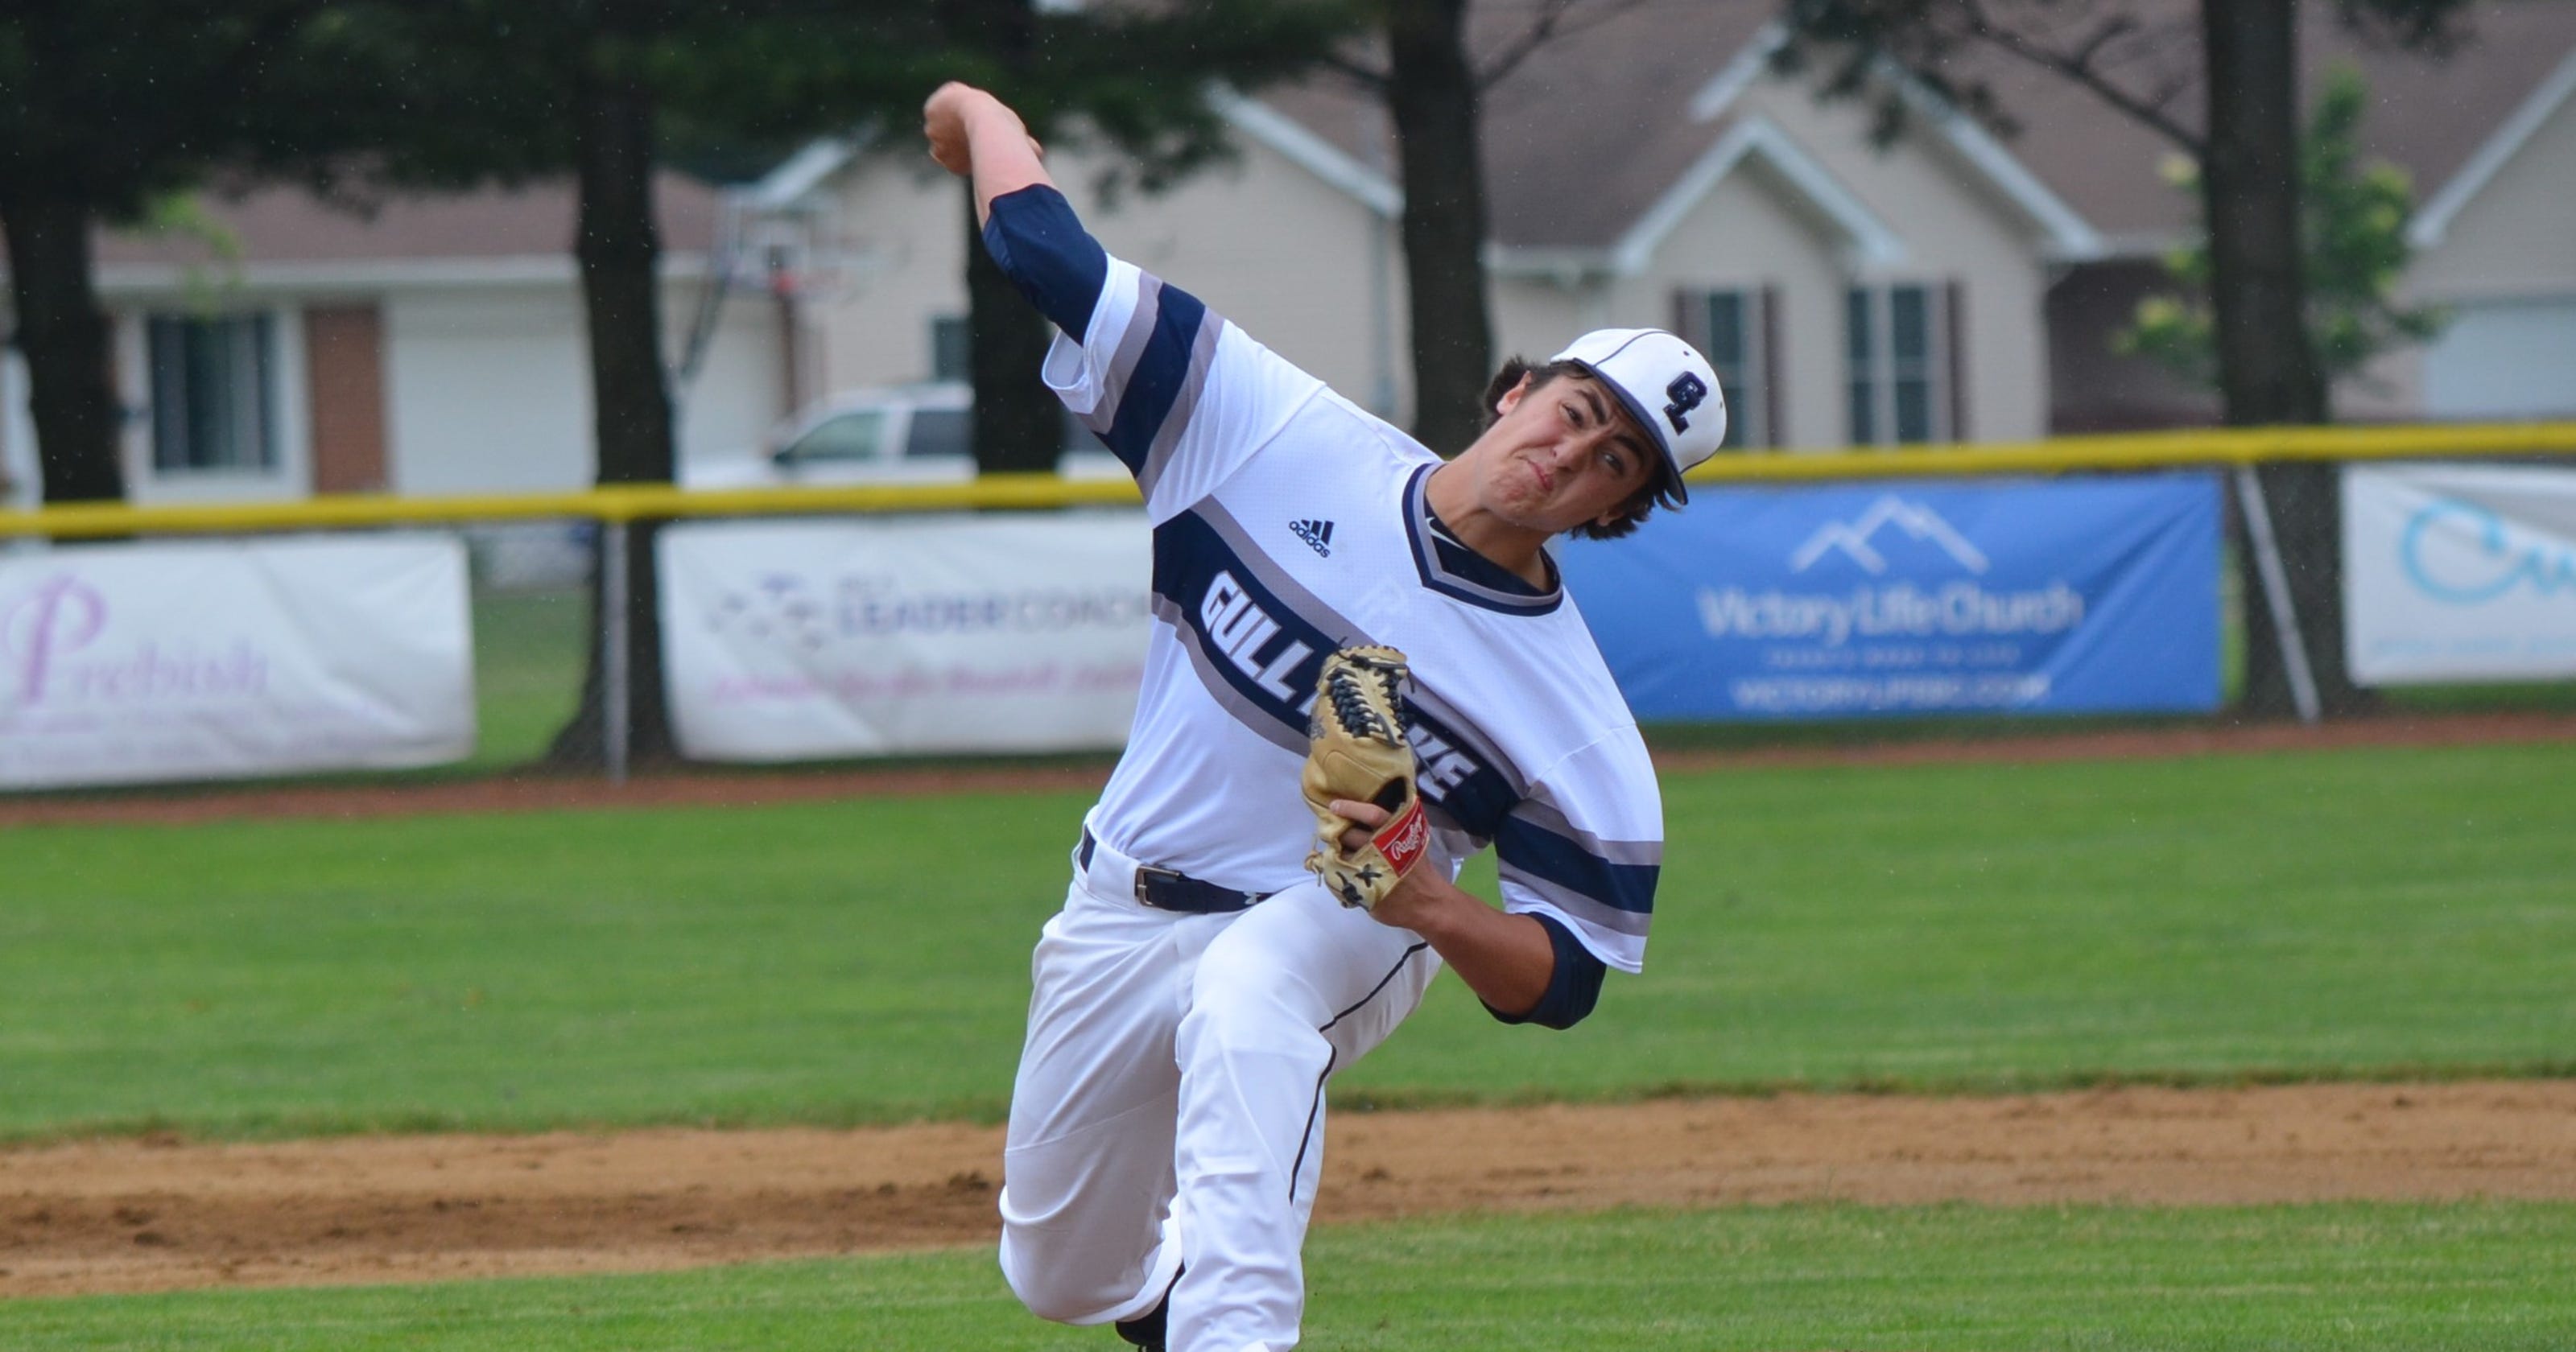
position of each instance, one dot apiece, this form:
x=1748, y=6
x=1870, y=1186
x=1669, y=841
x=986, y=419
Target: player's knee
x=1053, y=1298
x=1060, y=1282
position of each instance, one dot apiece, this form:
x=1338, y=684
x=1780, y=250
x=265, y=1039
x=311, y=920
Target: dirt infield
x=552, y=792
x=158, y=1215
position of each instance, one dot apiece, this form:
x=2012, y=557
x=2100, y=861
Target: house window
x=1735, y=328
x=1899, y=352
x=951, y=348
x=212, y=407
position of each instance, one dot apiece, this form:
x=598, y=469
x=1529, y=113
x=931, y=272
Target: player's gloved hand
x=1357, y=751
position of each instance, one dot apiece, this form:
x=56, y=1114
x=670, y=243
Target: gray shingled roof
x=289, y=225
x=1583, y=138
x=1587, y=132
x=2428, y=115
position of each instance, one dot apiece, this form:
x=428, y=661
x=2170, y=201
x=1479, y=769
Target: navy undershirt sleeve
x=1041, y=246
x=1572, y=989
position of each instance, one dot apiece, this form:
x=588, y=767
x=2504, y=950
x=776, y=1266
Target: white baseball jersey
x=1288, y=522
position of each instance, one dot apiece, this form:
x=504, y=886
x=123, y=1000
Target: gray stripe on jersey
x=1131, y=349
x=1548, y=816
x=1249, y=714
x=1184, y=403
x=1589, y=910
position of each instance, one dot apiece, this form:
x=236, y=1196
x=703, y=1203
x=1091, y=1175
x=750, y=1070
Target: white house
x=1954, y=284
x=434, y=345
x=1635, y=178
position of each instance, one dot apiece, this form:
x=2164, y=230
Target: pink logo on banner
x=46, y=640
x=63, y=616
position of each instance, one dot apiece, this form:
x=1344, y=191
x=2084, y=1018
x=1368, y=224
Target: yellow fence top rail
x=2061, y=455
x=2150, y=450
x=628, y=502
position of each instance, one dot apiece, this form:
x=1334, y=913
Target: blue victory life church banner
x=1913, y=597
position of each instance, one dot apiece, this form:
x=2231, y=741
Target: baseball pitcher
x=1363, y=669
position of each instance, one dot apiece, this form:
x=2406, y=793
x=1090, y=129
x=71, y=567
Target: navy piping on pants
x=1332, y=1056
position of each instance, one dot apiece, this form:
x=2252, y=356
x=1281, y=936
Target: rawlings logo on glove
x=1358, y=752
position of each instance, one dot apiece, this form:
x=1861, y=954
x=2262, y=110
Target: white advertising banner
x=2459, y=573
x=137, y=663
x=810, y=640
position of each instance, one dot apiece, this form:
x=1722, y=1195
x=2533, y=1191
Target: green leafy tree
x=107, y=107
x=2354, y=228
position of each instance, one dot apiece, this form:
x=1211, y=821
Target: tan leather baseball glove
x=1358, y=751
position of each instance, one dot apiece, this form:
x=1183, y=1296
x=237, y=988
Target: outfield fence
x=560, y=603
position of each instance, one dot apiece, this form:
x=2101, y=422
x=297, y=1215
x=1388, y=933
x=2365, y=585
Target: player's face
x=1564, y=454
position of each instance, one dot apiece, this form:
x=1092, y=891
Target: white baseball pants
x=1168, y=1118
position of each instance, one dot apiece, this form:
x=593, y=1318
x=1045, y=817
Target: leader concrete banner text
x=806, y=640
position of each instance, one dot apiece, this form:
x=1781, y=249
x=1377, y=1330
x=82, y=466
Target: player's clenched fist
x=949, y=118
x=943, y=124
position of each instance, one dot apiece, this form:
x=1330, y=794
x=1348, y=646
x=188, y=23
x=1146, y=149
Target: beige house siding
x=1536, y=316
x=2505, y=268
x=1955, y=230
x=1303, y=266
x=1755, y=229
x=2517, y=237
x=2389, y=389
x=1296, y=263
x=889, y=257
x=1752, y=232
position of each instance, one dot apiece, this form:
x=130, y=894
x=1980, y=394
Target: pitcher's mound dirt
x=144, y=1215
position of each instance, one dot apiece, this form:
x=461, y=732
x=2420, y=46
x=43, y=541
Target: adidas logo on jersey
x=1318, y=534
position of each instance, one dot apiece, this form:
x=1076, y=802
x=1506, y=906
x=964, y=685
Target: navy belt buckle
x=1147, y=876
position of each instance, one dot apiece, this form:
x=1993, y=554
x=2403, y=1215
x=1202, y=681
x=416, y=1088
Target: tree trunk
x=619, y=252
x=1432, y=94
x=1018, y=423
x=2268, y=373
x=1019, y=426
x=64, y=337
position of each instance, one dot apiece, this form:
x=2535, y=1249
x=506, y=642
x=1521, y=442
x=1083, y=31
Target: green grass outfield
x=2325, y=914
x=2464, y=1277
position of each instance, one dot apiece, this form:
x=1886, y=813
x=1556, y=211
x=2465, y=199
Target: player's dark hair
x=1658, y=493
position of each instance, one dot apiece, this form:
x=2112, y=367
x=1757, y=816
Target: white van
x=888, y=434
